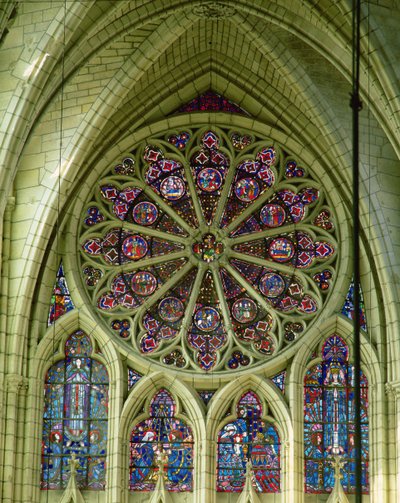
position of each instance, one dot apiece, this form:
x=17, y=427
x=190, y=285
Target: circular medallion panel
x=272, y=285
x=244, y=310
x=134, y=247
x=272, y=215
x=144, y=283
x=172, y=188
x=171, y=309
x=209, y=179
x=145, y=213
x=247, y=189
x=207, y=319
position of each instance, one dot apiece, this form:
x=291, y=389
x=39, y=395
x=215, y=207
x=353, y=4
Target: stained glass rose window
x=208, y=249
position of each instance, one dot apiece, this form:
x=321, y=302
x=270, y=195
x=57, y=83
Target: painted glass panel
x=211, y=101
x=75, y=417
x=248, y=437
x=348, y=307
x=329, y=419
x=161, y=435
x=61, y=301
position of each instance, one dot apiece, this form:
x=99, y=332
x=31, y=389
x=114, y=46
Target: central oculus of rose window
x=208, y=249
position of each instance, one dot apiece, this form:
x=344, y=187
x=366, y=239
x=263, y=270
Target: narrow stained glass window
x=348, y=307
x=75, y=417
x=162, y=435
x=329, y=420
x=133, y=378
x=61, y=301
x=252, y=438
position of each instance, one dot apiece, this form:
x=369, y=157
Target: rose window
x=208, y=249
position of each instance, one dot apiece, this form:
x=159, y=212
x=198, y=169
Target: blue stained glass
x=61, y=301
x=75, y=417
x=248, y=437
x=206, y=396
x=133, y=378
x=348, y=307
x=279, y=380
x=161, y=434
x=329, y=419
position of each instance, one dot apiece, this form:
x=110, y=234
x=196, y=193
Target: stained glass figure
x=75, y=417
x=61, y=301
x=161, y=435
x=348, y=307
x=249, y=437
x=213, y=102
x=133, y=378
x=214, y=241
x=329, y=420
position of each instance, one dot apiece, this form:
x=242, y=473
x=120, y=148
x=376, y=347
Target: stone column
x=393, y=436
x=14, y=385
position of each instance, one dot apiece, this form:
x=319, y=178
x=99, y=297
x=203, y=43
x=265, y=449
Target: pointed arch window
x=75, y=417
x=161, y=435
x=329, y=419
x=249, y=437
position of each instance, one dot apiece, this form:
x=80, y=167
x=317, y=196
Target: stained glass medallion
x=209, y=248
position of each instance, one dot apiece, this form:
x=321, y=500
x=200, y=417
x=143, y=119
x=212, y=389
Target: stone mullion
x=249, y=288
x=114, y=474
x=23, y=421
x=169, y=210
x=14, y=383
x=294, y=489
x=281, y=268
x=195, y=199
x=393, y=436
x=251, y=208
x=224, y=193
x=175, y=278
x=187, y=319
x=223, y=303
x=31, y=444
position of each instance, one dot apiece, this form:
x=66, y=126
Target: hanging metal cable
x=356, y=106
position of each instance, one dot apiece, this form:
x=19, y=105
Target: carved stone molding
x=213, y=10
x=16, y=383
x=393, y=389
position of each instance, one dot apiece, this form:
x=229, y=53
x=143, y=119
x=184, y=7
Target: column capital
x=393, y=389
x=16, y=383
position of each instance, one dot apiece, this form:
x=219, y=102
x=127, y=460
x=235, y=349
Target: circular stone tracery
x=220, y=254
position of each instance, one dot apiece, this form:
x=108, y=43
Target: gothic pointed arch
x=75, y=419
x=248, y=438
x=161, y=445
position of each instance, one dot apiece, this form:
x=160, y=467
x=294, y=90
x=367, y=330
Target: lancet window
x=75, y=417
x=329, y=419
x=249, y=437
